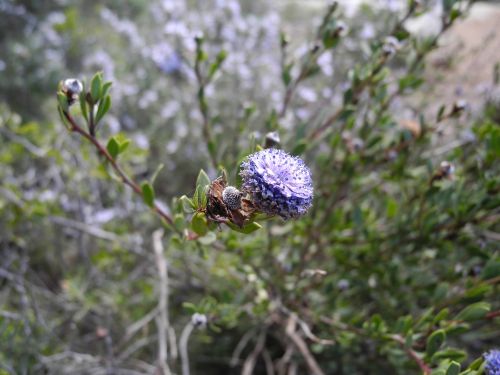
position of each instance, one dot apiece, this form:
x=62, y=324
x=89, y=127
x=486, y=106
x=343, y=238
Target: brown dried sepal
x=218, y=212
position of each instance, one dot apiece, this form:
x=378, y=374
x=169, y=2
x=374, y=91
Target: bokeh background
x=80, y=282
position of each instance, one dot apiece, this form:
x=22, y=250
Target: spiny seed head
x=278, y=183
x=492, y=359
x=231, y=197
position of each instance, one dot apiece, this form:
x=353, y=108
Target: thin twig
x=249, y=364
x=172, y=338
x=35, y=150
x=183, y=346
x=207, y=131
x=302, y=346
x=136, y=346
x=426, y=370
x=85, y=228
x=136, y=326
x=235, y=358
x=266, y=356
x=162, y=320
x=285, y=359
x=306, y=329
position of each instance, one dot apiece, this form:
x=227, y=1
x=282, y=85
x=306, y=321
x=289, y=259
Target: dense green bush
x=394, y=269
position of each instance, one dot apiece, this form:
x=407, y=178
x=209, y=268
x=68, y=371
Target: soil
x=463, y=67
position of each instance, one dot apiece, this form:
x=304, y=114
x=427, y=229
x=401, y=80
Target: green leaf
x=454, y=14
x=203, y=179
x=199, y=224
x=179, y=222
x=410, y=82
x=190, y=307
x=215, y=66
x=105, y=88
x=187, y=204
x=473, y=312
x=491, y=269
x=299, y=148
x=124, y=145
x=62, y=99
x=443, y=314
x=96, y=87
x=391, y=207
x=476, y=364
x=113, y=147
x=103, y=108
x=157, y=170
x=477, y=292
x=451, y=354
x=330, y=38
x=83, y=106
x=203, y=198
x=457, y=329
x=148, y=194
x=435, y=341
x=63, y=117
x=247, y=229
x=200, y=197
x=448, y=4
x=195, y=198
x=286, y=75
x=440, y=113
x=453, y=368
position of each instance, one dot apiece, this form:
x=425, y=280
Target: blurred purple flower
x=492, y=362
x=171, y=64
x=280, y=184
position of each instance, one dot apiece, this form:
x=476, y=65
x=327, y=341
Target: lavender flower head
x=279, y=184
x=492, y=362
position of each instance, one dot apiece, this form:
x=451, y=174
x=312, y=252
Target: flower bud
x=341, y=29
x=459, y=106
x=392, y=154
x=199, y=37
x=72, y=87
x=272, y=139
x=391, y=46
x=447, y=169
x=343, y=284
x=199, y=320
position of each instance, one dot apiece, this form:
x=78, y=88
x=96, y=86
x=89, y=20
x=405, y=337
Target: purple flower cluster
x=492, y=362
x=279, y=184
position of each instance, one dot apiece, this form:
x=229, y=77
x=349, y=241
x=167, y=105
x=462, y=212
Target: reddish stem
x=493, y=314
x=426, y=370
x=126, y=179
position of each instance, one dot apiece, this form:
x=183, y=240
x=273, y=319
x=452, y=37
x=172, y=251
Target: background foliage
x=394, y=270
